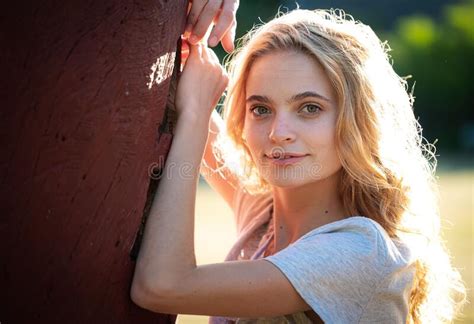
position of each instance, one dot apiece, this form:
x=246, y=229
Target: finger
x=188, y=9
x=228, y=38
x=225, y=21
x=184, y=50
x=185, y=53
x=189, y=27
x=184, y=44
x=205, y=19
x=196, y=8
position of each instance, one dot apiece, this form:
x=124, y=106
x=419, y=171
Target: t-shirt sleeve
x=336, y=272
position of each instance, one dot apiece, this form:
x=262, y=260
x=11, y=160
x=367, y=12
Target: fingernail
x=212, y=41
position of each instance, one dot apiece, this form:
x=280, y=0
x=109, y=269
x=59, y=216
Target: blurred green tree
x=439, y=56
x=435, y=48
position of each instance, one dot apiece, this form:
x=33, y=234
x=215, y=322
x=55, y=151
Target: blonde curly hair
x=387, y=169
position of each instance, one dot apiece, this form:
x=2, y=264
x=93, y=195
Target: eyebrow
x=296, y=97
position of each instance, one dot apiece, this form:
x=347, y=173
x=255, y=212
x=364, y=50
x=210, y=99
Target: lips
x=286, y=155
x=283, y=159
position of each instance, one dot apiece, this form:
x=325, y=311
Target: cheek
x=253, y=134
x=331, y=159
x=324, y=147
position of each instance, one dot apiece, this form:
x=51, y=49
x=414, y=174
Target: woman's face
x=291, y=109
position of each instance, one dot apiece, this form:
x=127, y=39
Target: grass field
x=215, y=231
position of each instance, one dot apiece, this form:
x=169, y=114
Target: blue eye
x=312, y=109
x=258, y=110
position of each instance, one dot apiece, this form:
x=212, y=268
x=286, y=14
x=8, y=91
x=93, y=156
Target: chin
x=287, y=181
x=292, y=176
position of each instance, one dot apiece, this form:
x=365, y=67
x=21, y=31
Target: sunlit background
x=431, y=41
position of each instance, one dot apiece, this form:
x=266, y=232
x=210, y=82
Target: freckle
x=281, y=227
x=325, y=211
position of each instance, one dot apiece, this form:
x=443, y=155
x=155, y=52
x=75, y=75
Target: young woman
x=321, y=159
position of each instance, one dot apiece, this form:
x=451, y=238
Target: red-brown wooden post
x=84, y=87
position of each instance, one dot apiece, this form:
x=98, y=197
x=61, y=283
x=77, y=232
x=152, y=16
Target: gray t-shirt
x=350, y=271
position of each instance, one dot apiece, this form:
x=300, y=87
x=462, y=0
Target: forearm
x=167, y=256
x=167, y=251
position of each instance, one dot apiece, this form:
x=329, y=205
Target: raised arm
x=221, y=180
x=167, y=250
x=166, y=278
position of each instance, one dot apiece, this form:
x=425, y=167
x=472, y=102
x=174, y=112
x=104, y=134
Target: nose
x=281, y=130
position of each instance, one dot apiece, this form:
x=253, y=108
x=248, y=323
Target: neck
x=296, y=211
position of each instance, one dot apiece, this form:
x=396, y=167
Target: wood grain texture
x=83, y=94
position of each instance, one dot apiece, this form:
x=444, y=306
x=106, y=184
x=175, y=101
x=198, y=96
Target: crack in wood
x=166, y=127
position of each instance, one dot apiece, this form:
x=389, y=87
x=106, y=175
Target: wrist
x=194, y=117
